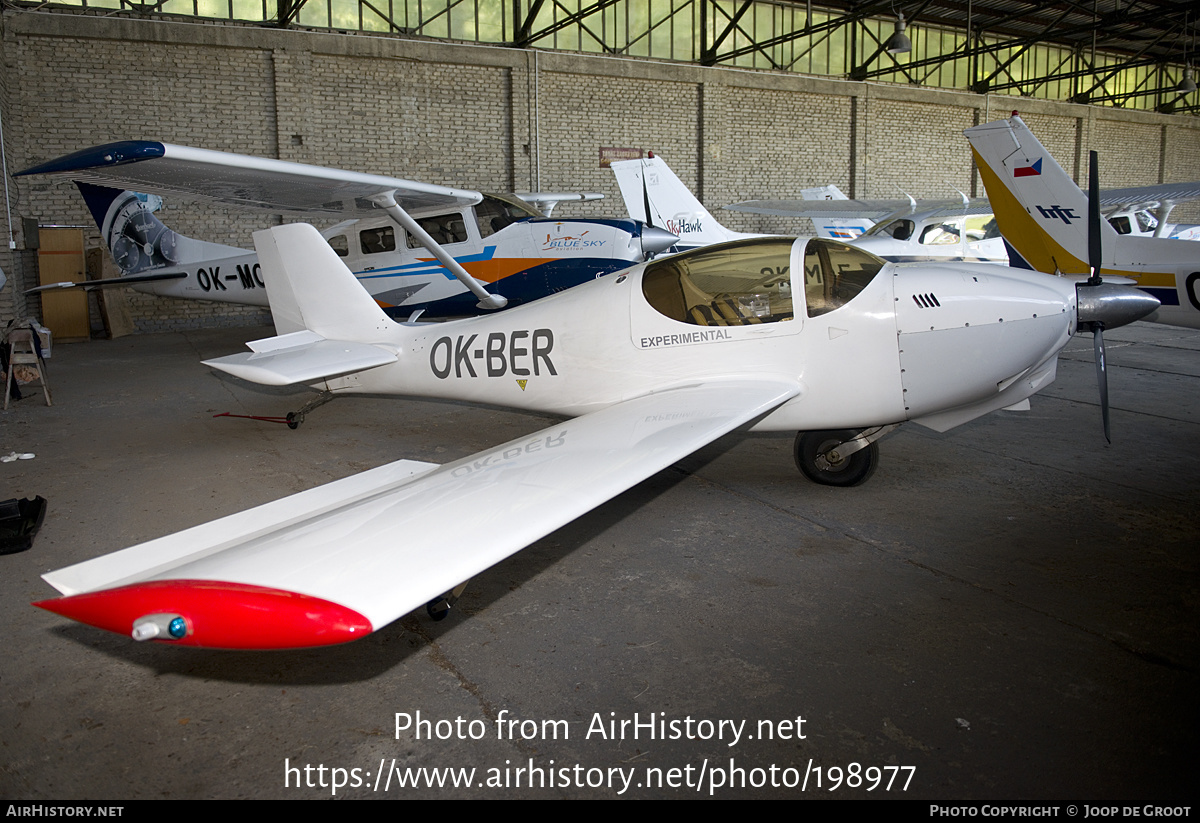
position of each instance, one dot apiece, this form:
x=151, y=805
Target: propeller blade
x=1095, y=253
x=1101, y=375
x=646, y=199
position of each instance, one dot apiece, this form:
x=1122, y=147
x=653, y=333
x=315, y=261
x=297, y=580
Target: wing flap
x=387, y=551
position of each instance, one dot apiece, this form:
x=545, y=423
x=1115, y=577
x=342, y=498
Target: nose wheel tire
x=818, y=458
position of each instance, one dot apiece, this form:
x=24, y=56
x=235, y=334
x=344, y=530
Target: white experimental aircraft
x=651, y=365
x=415, y=247
x=1042, y=215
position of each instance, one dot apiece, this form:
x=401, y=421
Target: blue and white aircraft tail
x=1043, y=217
x=836, y=228
x=137, y=239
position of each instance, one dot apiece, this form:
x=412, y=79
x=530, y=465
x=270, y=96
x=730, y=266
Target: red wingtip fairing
x=219, y=615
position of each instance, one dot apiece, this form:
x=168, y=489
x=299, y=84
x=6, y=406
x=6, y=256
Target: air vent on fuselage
x=926, y=301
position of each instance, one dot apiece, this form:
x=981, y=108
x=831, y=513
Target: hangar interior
x=496, y=118
x=1010, y=608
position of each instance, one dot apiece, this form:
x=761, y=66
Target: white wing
x=333, y=563
x=1149, y=196
x=875, y=210
x=240, y=180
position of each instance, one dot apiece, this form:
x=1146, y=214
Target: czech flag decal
x=1029, y=171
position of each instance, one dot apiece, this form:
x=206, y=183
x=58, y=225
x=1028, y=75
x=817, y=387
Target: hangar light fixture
x=898, y=43
x=1188, y=84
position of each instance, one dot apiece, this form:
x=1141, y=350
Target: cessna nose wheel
x=835, y=458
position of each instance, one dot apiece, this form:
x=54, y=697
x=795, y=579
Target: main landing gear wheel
x=294, y=419
x=817, y=456
x=439, y=607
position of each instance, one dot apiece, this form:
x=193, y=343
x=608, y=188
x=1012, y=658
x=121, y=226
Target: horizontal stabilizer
x=109, y=282
x=301, y=357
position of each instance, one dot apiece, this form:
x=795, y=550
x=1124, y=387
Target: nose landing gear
x=843, y=457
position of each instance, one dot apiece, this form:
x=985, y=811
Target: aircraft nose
x=1110, y=305
x=655, y=240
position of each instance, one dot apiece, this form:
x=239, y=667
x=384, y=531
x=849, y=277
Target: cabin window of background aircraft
x=495, y=213
x=378, y=240
x=341, y=245
x=897, y=229
x=941, y=234
x=670, y=30
x=444, y=228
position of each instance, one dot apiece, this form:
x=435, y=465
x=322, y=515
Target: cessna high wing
x=413, y=246
x=652, y=364
x=1042, y=215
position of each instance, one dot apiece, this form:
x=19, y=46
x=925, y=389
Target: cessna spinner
x=413, y=246
x=651, y=364
x=1042, y=215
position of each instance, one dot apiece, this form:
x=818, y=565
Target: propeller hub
x=655, y=240
x=1109, y=305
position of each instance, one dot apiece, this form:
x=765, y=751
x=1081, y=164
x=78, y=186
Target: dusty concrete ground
x=1010, y=608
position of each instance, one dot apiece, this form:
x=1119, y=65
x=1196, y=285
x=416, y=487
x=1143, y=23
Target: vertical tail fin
x=310, y=288
x=1039, y=209
x=654, y=194
x=327, y=324
x=837, y=228
x=135, y=237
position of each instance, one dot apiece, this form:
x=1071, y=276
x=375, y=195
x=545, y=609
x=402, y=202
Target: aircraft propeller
x=1104, y=305
x=646, y=200
x=655, y=239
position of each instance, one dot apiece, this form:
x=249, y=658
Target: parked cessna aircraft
x=1149, y=220
x=651, y=364
x=907, y=231
x=937, y=230
x=950, y=230
x=1041, y=213
x=457, y=252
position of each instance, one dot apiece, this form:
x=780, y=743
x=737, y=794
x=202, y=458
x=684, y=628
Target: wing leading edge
x=333, y=563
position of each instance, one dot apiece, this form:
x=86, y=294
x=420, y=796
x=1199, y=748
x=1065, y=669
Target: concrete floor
x=1009, y=608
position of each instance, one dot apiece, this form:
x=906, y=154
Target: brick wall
x=495, y=119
